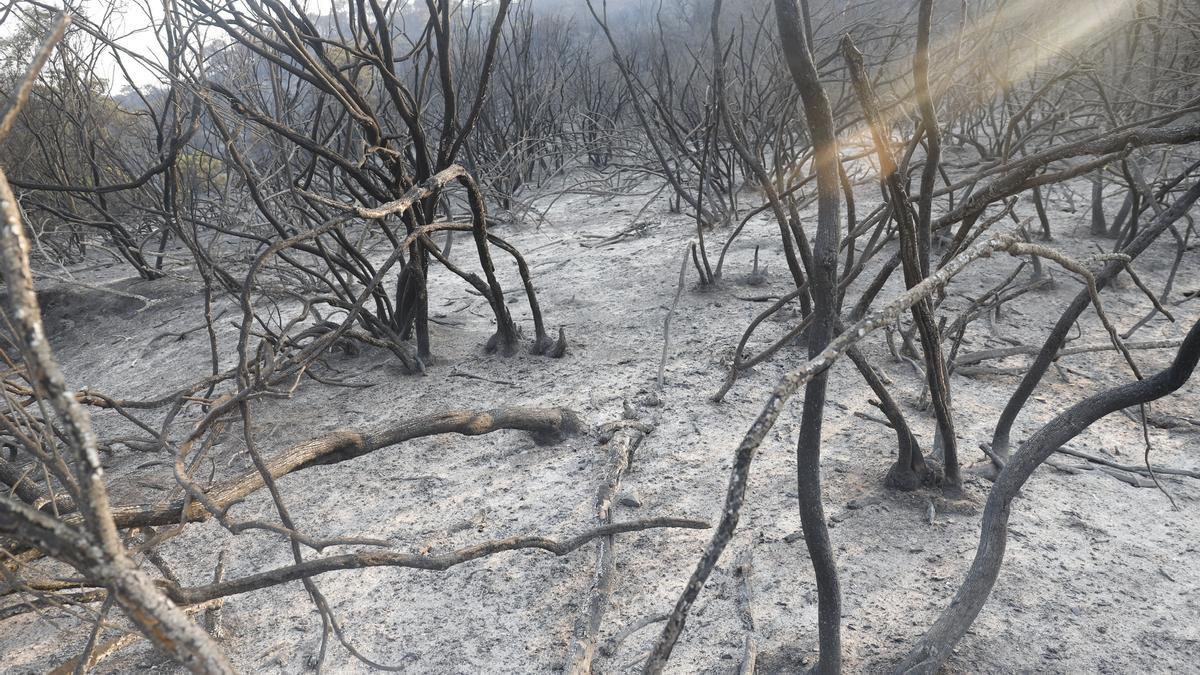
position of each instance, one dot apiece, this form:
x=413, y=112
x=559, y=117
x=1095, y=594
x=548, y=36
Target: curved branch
x=346, y=444
x=935, y=646
x=437, y=563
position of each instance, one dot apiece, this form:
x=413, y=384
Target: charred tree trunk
x=935, y=646
x=823, y=282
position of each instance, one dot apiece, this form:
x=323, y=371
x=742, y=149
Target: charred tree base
x=926, y=473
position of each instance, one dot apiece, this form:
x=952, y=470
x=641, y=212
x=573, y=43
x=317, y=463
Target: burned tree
x=979, y=204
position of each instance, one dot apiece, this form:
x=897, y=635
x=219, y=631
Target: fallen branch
x=587, y=628
x=1131, y=468
x=1004, y=352
x=611, y=646
x=344, y=444
x=743, y=570
x=338, y=446
x=437, y=563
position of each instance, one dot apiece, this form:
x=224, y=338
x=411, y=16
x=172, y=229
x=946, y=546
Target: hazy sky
x=131, y=23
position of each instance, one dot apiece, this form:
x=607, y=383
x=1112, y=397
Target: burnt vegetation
x=327, y=178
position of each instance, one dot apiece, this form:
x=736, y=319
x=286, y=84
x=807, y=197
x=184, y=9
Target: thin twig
x=662, y=364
